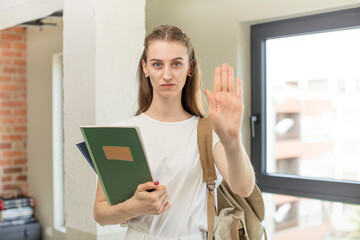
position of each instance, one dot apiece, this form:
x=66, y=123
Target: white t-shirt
x=173, y=157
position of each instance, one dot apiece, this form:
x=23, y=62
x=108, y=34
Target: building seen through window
x=313, y=129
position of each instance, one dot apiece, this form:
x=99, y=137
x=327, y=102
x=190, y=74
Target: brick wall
x=13, y=122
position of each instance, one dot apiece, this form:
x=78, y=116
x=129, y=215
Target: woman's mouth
x=167, y=85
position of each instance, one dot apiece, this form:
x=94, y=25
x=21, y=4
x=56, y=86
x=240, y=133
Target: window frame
x=295, y=185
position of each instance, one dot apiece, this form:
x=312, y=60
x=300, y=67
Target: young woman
x=169, y=109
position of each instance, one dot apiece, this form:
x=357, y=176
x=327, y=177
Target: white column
x=102, y=46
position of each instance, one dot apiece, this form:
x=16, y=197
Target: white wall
x=41, y=45
x=220, y=31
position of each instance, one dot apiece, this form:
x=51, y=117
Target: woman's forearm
x=106, y=214
x=240, y=171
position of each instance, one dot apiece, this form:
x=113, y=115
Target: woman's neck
x=167, y=111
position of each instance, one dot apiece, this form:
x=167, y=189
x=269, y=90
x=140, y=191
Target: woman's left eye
x=177, y=64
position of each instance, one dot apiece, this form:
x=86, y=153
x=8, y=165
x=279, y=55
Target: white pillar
x=102, y=46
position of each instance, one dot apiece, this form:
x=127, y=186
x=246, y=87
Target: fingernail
x=156, y=183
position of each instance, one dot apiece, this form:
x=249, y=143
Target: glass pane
x=295, y=218
x=313, y=111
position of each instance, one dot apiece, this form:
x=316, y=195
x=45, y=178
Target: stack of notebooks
x=118, y=157
x=16, y=211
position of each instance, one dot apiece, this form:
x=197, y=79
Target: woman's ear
x=143, y=63
x=191, y=68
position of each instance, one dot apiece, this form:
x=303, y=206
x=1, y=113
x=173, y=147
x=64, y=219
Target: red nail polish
x=156, y=183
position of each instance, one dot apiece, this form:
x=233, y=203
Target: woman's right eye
x=157, y=65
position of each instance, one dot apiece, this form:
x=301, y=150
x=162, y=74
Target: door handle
x=253, y=119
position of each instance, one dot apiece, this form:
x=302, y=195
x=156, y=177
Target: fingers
x=239, y=89
x=211, y=100
x=217, y=80
x=166, y=207
x=161, y=204
x=224, y=77
x=231, y=81
x=164, y=200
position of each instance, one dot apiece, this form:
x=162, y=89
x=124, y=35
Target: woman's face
x=167, y=65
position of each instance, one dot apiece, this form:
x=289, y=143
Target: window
x=305, y=129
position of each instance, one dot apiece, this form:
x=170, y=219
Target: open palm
x=226, y=108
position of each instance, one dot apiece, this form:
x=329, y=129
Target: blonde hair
x=191, y=97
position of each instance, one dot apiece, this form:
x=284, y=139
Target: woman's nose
x=167, y=74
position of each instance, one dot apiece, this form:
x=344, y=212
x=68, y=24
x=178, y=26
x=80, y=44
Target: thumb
x=147, y=186
x=211, y=101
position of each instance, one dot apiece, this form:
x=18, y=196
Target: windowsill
x=60, y=229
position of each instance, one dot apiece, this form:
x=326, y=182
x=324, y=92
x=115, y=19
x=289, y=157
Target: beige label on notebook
x=118, y=153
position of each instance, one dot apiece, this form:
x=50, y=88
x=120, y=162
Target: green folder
x=119, y=159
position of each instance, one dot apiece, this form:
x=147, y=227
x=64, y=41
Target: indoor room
x=66, y=64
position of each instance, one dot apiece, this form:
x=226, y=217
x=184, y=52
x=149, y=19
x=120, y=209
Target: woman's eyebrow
x=178, y=58
x=155, y=60
x=159, y=60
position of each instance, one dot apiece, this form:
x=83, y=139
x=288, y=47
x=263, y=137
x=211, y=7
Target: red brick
x=19, y=80
x=7, y=162
x=9, y=87
x=6, y=179
x=5, y=78
x=9, y=36
x=12, y=120
x=13, y=70
x=5, y=145
x=11, y=187
x=12, y=137
x=5, y=53
x=18, y=153
x=4, y=112
x=20, y=46
x=12, y=104
x=19, y=29
x=5, y=45
x=5, y=61
x=21, y=178
x=20, y=62
x=5, y=95
x=19, y=95
x=20, y=161
x=21, y=112
x=20, y=128
x=12, y=170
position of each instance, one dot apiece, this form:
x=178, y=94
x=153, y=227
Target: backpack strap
x=204, y=137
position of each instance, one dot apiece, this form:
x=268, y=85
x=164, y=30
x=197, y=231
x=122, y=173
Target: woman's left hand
x=225, y=106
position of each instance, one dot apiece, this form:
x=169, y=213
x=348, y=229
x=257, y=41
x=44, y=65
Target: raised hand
x=225, y=105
